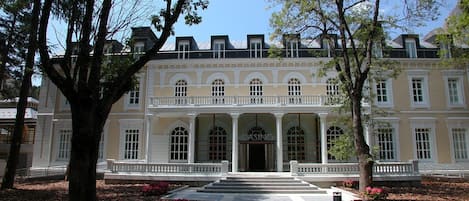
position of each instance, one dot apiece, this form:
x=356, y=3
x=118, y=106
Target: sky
x=238, y=18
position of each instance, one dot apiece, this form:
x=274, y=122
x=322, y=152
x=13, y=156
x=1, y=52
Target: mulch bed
x=431, y=188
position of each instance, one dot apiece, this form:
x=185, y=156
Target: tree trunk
x=87, y=129
x=363, y=150
x=15, y=146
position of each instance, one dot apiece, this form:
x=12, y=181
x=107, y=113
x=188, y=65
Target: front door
x=256, y=157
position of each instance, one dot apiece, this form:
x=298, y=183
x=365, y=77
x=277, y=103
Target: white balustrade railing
x=379, y=168
x=169, y=168
x=315, y=100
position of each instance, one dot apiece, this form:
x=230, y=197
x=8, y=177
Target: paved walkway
x=192, y=194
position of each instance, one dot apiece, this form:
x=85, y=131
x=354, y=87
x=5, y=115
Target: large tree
x=14, y=25
x=89, y=90
x=16, y=141
x=356, y=27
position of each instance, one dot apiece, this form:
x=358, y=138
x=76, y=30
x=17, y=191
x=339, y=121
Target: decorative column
x=191, y=153
x=279, y=147
x=323, y=122
x=234, y=143
x=148, y=127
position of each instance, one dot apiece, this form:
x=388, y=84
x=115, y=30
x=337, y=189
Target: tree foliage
x=92, y=83
x=352, y=30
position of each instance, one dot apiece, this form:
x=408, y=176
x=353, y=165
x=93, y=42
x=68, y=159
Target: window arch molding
x=176, y=124
x=296, y=75
x=180, y=76
x=216, y=76
x=255, y=75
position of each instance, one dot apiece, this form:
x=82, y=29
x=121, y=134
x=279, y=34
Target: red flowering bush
x=157, y=189
x=375, y=193
x=349, y=183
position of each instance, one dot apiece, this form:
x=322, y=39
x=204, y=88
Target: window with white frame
x=255, y=48
x=377, y=50
x=131, y=144
x=296, y=144
x=133, y=96
x=256, y=91
x=219, y=49
x=445, y=49
x=291, y=48
x=139, y=49
x=326, y=46
x=385, y=140
x=383, y=90
x=217, y=144
x=411, y=48
x=179, y=144
x=294, y=91
x=180, y=92
x=460, y=144
x=455, y=91
x=65, y=137
x=332, y=91
x=333, y=133
x=183, y=49
x=218, y=91
x=419, y=91
x=423, y=143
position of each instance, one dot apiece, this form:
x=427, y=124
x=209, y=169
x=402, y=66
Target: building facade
x=227, y=100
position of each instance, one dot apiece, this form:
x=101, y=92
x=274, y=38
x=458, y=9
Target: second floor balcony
x=241, y=101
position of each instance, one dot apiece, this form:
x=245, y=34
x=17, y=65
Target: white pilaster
x=322, y=122
x=234, y=143
x=149, y=120
x=191, y=154
x=367, y=131
x=279, y=147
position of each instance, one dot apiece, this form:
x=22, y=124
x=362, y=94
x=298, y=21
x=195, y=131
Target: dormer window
x=183, y=49
x=219, y=49
x=255, y=48
x=326, y=46
x=377, y=50
x=139, y=47
x=445, y=49
x=411, y=48
x=291, y=48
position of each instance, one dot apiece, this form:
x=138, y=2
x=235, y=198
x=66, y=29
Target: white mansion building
x=227, y=100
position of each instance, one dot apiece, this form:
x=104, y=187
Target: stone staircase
x=261, y=184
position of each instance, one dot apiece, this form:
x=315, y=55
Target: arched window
x=332, y=91
x=256, y=91
x=180, y=92
x=217, y=140
x=179, y=144
x=332, y=133
x=296, y=144
x=218, y=91
x=294, y=90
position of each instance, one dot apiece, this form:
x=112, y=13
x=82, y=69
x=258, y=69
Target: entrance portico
x=249, y=141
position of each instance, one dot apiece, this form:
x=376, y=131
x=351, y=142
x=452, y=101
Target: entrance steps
x=261, y=184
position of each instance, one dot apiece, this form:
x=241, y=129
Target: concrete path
x=192, y=194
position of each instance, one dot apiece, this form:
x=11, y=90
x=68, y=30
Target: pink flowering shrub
x=349, y=183
x=157, y=189
x=375, y=193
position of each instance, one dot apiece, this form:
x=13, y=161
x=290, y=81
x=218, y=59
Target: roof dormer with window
x=256, y=45
x=291, y=43
x=219, y=45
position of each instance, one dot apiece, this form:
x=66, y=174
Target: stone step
x=279, y=191
x=262, y=187
x=261, y=183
